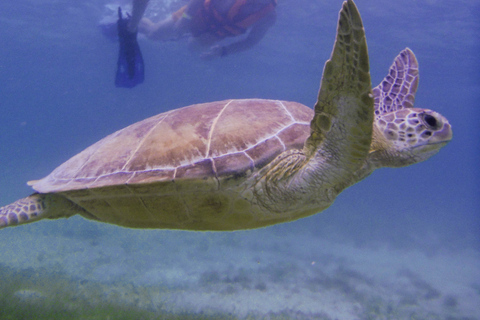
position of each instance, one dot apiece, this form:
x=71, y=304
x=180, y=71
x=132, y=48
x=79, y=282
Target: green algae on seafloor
x=38, y=294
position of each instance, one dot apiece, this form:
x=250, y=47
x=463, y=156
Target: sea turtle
x=241, y=164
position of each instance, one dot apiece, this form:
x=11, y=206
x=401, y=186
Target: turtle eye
x=430, y=121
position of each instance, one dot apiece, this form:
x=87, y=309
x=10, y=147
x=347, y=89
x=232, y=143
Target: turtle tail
x=35, y=207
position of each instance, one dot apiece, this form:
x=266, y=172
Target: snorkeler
x=207, y=22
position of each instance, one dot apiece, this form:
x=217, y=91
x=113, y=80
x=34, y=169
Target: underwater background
x=402, y=244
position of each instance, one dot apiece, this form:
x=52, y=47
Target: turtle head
x=408, y=136
x=404, y=135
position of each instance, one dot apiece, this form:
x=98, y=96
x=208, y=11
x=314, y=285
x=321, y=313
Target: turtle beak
x=444, y=135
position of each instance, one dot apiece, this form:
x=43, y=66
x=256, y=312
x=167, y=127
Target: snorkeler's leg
x=138, y=9
x=130, y=66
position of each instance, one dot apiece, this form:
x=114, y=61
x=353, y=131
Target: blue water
x=57, y=97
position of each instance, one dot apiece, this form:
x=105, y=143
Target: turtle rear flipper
x=35, y=207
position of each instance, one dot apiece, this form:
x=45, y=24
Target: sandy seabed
x=258, y=274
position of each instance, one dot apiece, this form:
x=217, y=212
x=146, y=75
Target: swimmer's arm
x=256, y=34
x=169, y=28
x=193, y=6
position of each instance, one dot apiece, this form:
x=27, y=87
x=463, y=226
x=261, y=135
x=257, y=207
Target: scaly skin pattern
x=37, y=206
x=24, y=210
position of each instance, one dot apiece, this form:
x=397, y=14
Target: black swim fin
x=130, y=67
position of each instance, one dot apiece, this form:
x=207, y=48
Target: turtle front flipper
x=35, y=207
x=341, y=129
x=397, y=90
